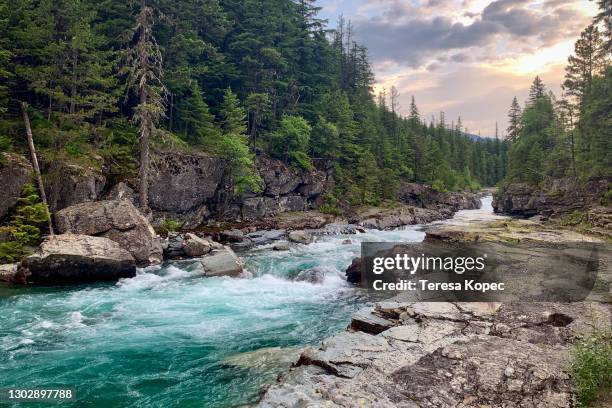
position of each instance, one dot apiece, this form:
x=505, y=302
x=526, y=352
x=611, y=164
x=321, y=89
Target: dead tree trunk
x=143, y=174
x=39, y=180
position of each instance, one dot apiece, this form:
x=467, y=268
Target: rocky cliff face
x=14, y=175
x=556, y=197
x=420, y=195
x=191, y=188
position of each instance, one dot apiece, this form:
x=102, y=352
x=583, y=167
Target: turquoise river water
x=167, y=337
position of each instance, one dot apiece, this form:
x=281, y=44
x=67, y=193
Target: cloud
x=410, y=35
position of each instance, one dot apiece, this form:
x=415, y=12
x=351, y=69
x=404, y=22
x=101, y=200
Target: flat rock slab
x=443, y=355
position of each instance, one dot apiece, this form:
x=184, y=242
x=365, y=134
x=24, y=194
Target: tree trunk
x=143, y=173
x=73, y=85
x=41, y=187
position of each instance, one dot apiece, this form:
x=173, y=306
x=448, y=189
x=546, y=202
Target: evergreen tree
x=588, y=60
x=144, y=63
x=198, y=122
x=537, y=91
x=514, y=120
x=233, y=146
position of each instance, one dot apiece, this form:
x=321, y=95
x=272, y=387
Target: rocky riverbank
x=449, y=354
x=443, y=355
x=190, y=190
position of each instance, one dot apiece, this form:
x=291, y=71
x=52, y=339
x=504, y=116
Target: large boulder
x=70, y=184
x=181, y=182
x=73, y=258
x=300, y=237
x=222, y=262
x=15, y=173
x=117, y=220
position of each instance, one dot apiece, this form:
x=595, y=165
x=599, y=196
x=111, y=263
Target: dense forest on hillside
x=111, y=79
x=571, y=136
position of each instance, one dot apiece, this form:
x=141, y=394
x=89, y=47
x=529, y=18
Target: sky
x=468, y=58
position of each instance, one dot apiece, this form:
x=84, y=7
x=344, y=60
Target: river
x=166, y=338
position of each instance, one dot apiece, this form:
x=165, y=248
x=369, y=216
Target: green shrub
x=574, y=219
x=591, y=366
x=330, y=209
x=5, y=144
x=606, y=198
x=24, y=229
x=167, y=226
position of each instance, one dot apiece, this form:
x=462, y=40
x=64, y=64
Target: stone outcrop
x=69, y=184
x=442, y=355
x=15, y=173
x=387, y=218
x=424, y=196
x=556, y=197
x=184, y=184
x=70, y=258
x=117, y=220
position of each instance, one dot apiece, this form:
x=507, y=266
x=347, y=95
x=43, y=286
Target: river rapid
x=169, y=338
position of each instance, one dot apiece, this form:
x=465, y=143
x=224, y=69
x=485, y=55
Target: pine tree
x=588, y=60
x=413, y=115
x=605, y=17
x=233, y=116
x=233, y=146
x=537, y=90
x=514, y=120
x=144, y=64
x=199, y=126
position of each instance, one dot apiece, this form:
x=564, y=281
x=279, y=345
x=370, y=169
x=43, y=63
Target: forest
x=113, y=79
x=570, y=136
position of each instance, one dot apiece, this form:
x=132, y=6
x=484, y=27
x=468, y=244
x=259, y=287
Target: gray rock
x=291, y=203
x=70, y=184
x=367, y=321
x=70, y=258
x=253, y=209
x=279, y=178
x=442, y=355
x=281, y=246
x=222, y=262
x=8, y=272
x=300, y=237
x=264, y=237
x=182, y=182
x=14, y=175
x=122, y=191
x=234, y=235
x=195, y=246
x=117, y=220
x=554, y=198
x=353, y=272
x=424, y=196
x=314, y=276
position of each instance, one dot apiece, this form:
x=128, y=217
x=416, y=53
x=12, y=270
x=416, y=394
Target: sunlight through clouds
x=420, y=46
